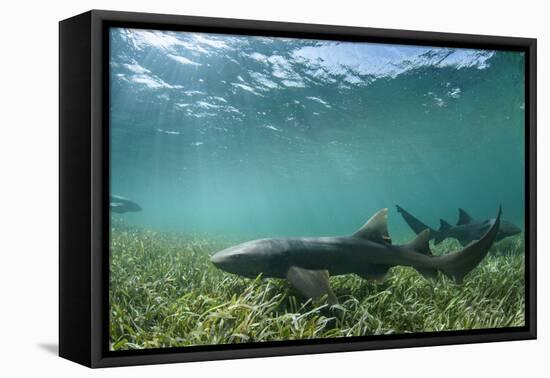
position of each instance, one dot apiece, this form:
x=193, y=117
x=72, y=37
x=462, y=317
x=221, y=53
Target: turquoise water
x=249, y=137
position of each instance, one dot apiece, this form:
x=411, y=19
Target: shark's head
x=507, y=229
x=248, y=259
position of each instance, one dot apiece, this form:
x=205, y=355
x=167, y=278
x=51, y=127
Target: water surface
x=244, y=137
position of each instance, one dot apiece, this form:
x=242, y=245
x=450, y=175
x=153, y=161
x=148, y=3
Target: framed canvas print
x=233, y=188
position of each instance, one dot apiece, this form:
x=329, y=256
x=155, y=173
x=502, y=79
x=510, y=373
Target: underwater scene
x=272, y=189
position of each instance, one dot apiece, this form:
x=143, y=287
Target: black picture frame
x=84, y=187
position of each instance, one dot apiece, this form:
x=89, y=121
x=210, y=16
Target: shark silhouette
x=466, y=230
x=119, y=204
x=369, y=253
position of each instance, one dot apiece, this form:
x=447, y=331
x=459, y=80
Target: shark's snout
x=247, y=259
x=226, y=259
x=135, y=208
x=218, y=260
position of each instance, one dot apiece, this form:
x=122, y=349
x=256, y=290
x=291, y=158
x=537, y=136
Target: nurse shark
x=308, y=262
x=119, y=204
x=466, y=230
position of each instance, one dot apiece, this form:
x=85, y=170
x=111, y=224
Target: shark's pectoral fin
x=311, y=283
x=376, y=228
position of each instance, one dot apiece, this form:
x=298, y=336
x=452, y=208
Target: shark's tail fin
x=415, y=224
x=458, y=264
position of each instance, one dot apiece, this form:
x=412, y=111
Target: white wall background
x=29, y=174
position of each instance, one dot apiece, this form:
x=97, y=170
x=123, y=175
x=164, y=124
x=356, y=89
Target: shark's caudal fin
x=458, y=264
x=416, y=225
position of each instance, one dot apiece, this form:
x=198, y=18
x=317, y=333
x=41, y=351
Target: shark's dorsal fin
x=376, y=228
x=421, y=243
x=311, y=283
x=444, y=225
x=464, y=217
